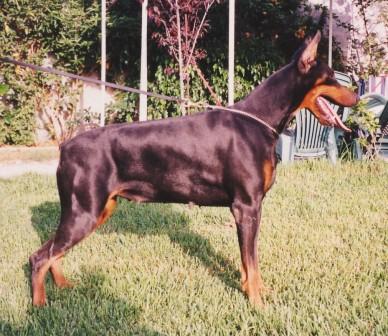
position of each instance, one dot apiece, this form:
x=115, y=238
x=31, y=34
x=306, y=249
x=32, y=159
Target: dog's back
x=192, y=159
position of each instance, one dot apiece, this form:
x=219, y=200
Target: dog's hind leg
x=74, y=226
x=57, y=274
x=48, y=255
x=40, y=264
x=247, y=221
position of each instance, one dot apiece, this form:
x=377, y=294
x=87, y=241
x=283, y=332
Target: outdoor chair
x=383, y=133
x=310, y=139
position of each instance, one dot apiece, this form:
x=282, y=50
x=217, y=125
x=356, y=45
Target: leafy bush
x=364, y=126
x=166, y=81
x=17, y=117
x=3, y=89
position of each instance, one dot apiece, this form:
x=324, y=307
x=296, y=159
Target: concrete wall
x=89, y=102
x=91, y=99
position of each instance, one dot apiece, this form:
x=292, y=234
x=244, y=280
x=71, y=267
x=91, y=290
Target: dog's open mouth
x=327, y=116
x=320, y=101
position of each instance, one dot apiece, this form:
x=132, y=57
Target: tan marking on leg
x=268, y=175
x=254, y=284
x=263, y=288
x=57, y=274
x=260, y=282
x=107, y=212
x=244, y=278
x=38, y=279
x=38, y=288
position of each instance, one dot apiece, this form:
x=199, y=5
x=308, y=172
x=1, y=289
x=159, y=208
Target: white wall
x=91, y=98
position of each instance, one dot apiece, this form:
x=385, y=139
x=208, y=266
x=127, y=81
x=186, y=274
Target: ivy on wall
x=30, y=31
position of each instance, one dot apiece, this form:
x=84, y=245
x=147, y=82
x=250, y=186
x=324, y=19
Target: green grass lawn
x=172, y=270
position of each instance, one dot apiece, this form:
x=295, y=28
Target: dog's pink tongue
x=330, y=117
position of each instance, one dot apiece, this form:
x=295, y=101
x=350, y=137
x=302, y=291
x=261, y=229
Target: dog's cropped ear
x=309, y=54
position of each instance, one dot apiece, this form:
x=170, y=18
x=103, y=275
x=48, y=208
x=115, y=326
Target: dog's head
x=317, y=76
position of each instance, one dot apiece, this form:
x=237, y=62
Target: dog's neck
x=276, y=98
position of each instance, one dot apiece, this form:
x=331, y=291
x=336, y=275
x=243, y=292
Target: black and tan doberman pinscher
x=215, y=158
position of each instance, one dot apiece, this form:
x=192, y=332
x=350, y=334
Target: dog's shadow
x=92, y=311
x=149, y=219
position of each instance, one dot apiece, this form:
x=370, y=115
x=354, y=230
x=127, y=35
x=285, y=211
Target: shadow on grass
x=148, y=219
x=90, y=310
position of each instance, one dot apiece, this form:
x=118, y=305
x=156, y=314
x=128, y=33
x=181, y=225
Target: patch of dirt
x=19, y=160
x=22, y=153
x=17, y=168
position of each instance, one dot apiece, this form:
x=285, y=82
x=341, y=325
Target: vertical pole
x=332, y=151
x=103, y=60
x=143, y=62
x=331, y=34
x=180, y=59
x=231, y=53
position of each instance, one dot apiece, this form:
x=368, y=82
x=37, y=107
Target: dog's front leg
x=247, y=221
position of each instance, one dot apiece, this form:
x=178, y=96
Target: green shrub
x=166, y=82
x=364, y=125
x=17, y=127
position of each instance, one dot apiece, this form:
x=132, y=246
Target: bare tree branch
x=207, y=85
x=208, y=5
x=184, y=22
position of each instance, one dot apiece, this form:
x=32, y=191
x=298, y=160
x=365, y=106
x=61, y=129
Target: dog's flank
x=217, y=158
